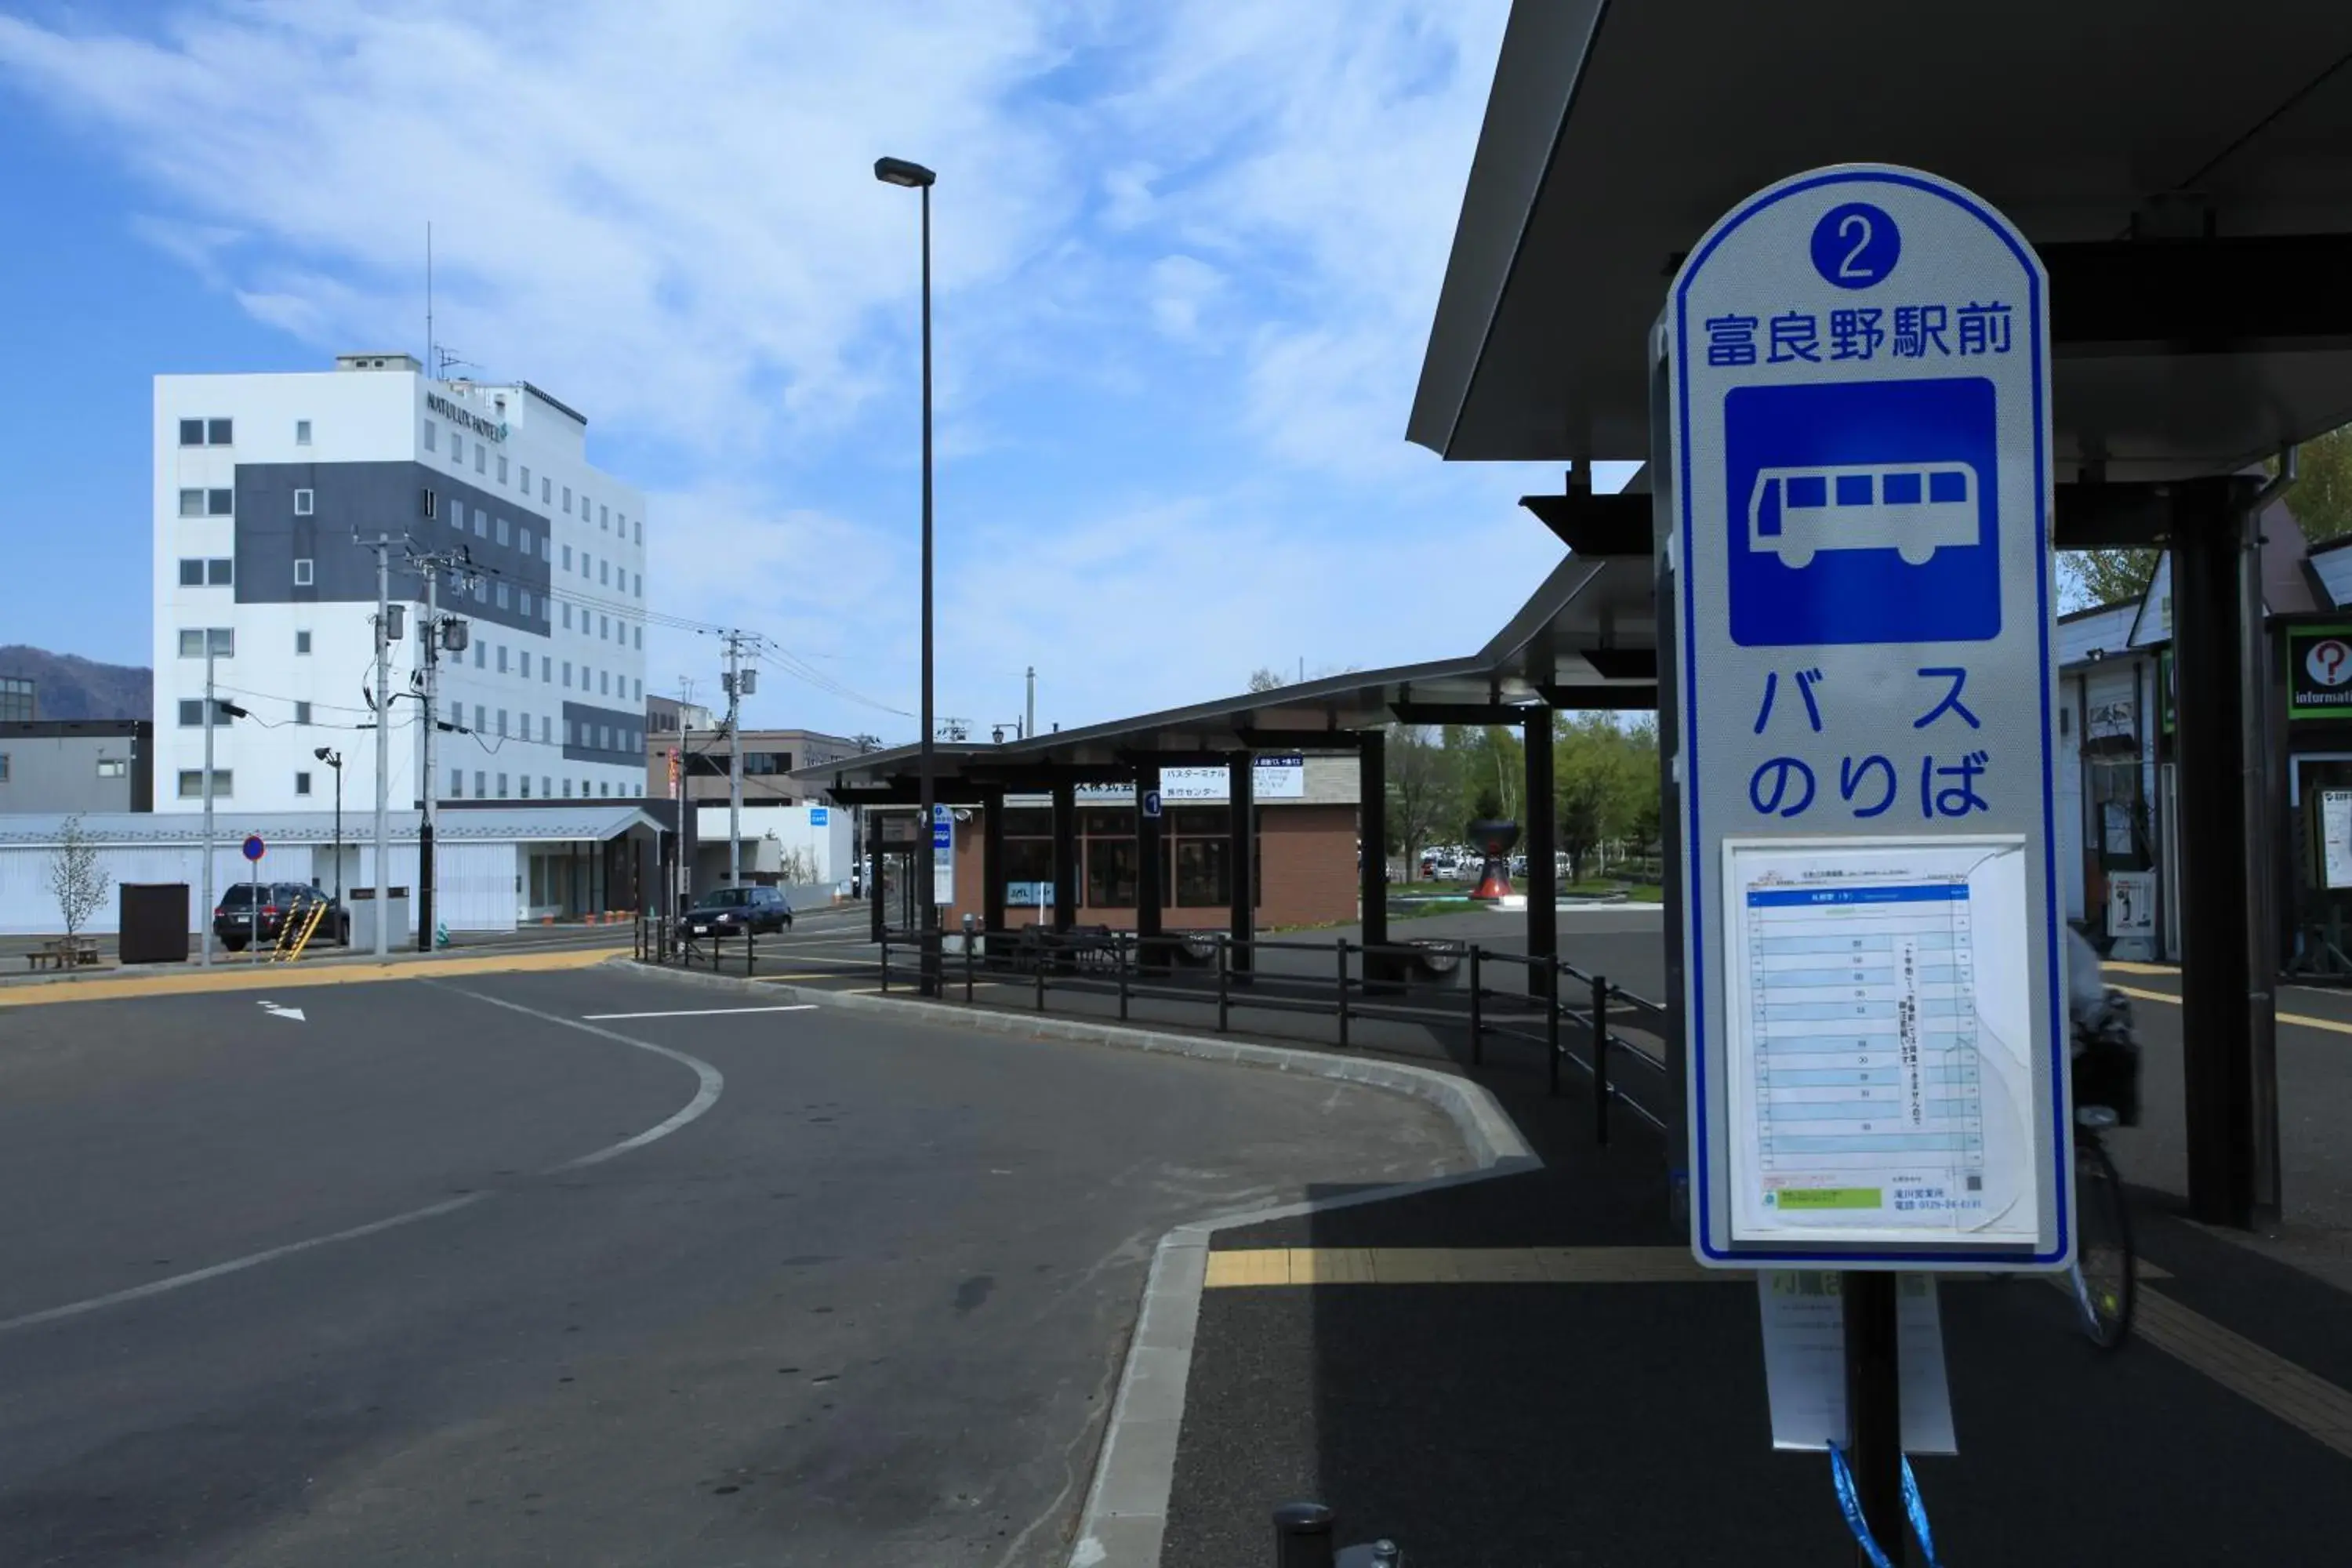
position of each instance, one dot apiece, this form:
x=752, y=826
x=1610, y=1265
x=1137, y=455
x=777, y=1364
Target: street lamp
x=334, y=760
x=914, y=176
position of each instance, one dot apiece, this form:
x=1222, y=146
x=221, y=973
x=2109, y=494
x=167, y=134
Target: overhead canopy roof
x=1617, y=133
x=567, y=823
x=1585, y=640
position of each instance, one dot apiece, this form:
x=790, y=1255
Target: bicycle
x=2106, y=1095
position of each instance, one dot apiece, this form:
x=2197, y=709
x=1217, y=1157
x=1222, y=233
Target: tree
x=75, y=876
x=1595, y=785
x=1265, y=679
x=1422, y=796
x=2090, y=577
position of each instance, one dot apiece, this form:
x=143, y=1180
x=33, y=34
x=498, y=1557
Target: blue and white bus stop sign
x=1858, y=370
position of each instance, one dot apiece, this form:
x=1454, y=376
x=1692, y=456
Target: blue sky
x=1187, y=256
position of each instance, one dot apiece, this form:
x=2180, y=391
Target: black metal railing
x=1440, y=983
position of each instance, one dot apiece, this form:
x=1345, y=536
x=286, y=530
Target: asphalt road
x=478, y=1281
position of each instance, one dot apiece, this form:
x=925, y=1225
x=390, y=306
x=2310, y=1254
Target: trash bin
x=153, y=922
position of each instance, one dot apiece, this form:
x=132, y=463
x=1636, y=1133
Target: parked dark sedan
x=729, y=912
x=248, y=915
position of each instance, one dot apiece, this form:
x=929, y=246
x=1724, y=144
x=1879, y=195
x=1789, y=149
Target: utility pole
x=439, y=633
x=734, y=759
x=1029, y=718
x=383, y=639
x=207, y=959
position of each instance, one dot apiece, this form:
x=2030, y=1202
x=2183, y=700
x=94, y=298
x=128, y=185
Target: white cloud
x=1186, y=257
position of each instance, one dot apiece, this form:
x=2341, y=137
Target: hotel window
x=191, y=432
x=502, y=530
x=220, y=503
x=544, y=489
x=481, y=653
x=567, y=789
x=567, y=672
x=567, y=558
x=301, y=712
x=546, y=671
x=302, y=573
x=111, y=768
x=567, y=501
x=522, y=599
x=302, y=432
x=502, y=468
x=640, y=536
x=219, y=433
x=432, y=437
x=304, y=502
x=525, y=786
x=605, y=517
x=502, y=596
x=192, y=784
x=302, y=642
x=192, y=572
x=191, y=503
x=481, y=718
x=481, y=523
x=457, y=449
x=192, y=712
x=604, y=573
x=502, y=716
x=481, y=785
x=502, y=665
x=456, y=784
x=523, y=660
x=603, y=628
x=457, y=514
x=481, y=458
x=567, y=616
x=522, y=538
x=301, y=783
x=546, y=552
x=432, y=504
x=605, y=682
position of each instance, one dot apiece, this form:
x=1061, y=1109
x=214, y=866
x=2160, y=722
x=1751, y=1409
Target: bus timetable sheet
x=1879, y=1041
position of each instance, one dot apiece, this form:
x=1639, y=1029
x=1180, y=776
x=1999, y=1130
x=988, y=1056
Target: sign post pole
x=1859, y=562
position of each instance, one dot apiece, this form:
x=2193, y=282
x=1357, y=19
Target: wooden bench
x=68, y=952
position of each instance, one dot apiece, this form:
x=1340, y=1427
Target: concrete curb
x=1126, y=1512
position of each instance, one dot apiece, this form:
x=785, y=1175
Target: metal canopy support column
x=1149, y=898
x=1240, y=869
x=1372, y=831
x=992, y=859
x=1670, y=869
x=2218, y=986
x=1542, y=841
x=1065, y=855
x=878, y=915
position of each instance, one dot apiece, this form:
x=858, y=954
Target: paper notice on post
x=1804, y=1361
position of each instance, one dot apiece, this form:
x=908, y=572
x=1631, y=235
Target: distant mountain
x=67, y=686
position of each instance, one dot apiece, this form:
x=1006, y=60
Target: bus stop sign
x=1857, y=363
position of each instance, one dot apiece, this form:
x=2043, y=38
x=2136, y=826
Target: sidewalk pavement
x=1572, y=1406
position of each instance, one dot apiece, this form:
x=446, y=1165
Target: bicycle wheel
x=2103, y=1252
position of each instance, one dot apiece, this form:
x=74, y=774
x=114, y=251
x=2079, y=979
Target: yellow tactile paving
x=2300, y=1398
x=2332, y=1026
x=245, y=976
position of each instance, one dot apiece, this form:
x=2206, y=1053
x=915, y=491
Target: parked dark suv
x=248, y=914
x=729, y=912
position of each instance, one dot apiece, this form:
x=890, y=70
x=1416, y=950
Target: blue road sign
x=253, y=847
x=1857, y=368
x=1151, y=804
x=1863, y=511
x=819, y=815
x=942, y=829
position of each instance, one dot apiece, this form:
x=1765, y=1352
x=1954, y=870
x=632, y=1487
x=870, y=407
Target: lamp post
x=914, y=176
x=334, y=760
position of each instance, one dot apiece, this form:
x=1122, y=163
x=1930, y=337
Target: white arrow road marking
x=275, y=1011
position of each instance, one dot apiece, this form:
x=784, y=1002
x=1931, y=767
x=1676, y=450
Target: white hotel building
x=269, y=490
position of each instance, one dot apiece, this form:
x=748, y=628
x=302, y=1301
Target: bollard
x=1343, y=993
x=1373, y=1554
x=1224, y=995
x=1551, y=1021
x=750, y=951
x=1119, y=949
x=1302, y=1536
x=1477, y=1024
x=1601, y=1058
x=967, y=966
x=886, y=964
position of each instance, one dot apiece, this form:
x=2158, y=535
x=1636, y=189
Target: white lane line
x=710, y=1083
x=701, y=1011
x=706, y=1095
x=251, y=1260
